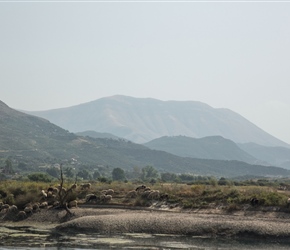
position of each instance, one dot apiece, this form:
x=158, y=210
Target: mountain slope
x=144, y=119
x=29, y=139
x=277, y=156
x=212, y=147
x=95, y=134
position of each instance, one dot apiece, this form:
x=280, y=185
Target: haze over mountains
x=30, y=139
x=211, y=147
x=144, y=119
x=217, y=147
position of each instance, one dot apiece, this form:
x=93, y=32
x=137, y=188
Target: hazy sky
x=232, y=55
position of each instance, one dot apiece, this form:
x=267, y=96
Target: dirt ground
x=197, y=222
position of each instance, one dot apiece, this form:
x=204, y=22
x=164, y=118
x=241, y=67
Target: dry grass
x=188, y=196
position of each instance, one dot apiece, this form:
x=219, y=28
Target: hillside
x=277, y=156
x=211, y=147
x=33, y=140
x=144, y=119
x=95, y=134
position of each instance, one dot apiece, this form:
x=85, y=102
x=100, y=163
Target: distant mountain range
x=217, y=147
x=211, y=147
x=34, y=140
x=275, y=156
x=144, y=119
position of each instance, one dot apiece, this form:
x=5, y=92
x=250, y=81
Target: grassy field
x=186, y=196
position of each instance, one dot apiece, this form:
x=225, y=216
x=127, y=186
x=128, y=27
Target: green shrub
x=39, y=177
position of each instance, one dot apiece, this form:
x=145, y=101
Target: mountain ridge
x=144, y=119
x=210, y=147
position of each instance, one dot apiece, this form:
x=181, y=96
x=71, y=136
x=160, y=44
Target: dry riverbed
x=200, y=222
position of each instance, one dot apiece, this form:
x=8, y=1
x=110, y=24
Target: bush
x=39, y=177
x=273, y=199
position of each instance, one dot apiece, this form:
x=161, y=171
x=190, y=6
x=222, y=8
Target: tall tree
x=8, y=169
x=118, y=174
x=69, y=172
x=149, y=173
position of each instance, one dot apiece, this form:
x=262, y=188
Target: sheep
x=73, y=203
x=154, y=195
x=145, y=194
x=56, y=204
x=105, y=198
x=90, y=197
x=13, y=209
x=35, y=207
x=43, y=194
x=108, y=192
x=43, y=204
x=140, y=188
x=86, y=186
x=49, y=194
x=21, y=215
x=28, y=209
x=131, y=194
x=5, y=207
x=55, y=190
x=74, y=186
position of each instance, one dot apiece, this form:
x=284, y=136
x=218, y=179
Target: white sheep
x=154, y=195
x=44, y=194
x=108, y=192
x=49, y=194
x=55, y=190
x=86, y=186
x=145, y=194
x=131, y=194
x=43, y=204
x=105, y=198
x=55, y=204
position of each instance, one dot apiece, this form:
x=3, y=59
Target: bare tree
x=63, y=193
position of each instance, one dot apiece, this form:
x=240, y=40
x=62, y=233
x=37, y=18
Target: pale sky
x=233, y=55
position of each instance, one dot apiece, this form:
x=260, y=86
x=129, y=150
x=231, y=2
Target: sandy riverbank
x=212, y=223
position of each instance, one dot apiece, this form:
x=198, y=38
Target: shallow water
x=22, y=238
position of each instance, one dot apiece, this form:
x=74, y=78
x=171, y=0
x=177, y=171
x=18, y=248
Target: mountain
x=277, y=156
x=33, y=140
x=211, y=147
x=143, y=119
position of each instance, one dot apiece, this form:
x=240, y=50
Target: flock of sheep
x=51, y=197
